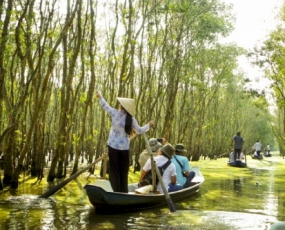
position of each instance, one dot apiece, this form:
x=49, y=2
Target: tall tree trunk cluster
x=166, y=54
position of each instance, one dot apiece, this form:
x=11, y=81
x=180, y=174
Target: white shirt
x=257, y=146
x=232, y=158
x=168, y=173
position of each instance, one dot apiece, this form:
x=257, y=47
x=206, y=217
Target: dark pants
x=237, y=154
x=189, y=179
x=258, y=153
x=118, y=169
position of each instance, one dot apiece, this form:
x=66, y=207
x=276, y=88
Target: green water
x=230, y=198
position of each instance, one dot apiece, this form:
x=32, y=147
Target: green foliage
x=271, y=58
x=165, y=55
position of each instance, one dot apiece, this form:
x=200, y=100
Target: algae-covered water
x=230, y=198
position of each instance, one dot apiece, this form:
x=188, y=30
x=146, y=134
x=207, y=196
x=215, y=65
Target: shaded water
x=230, y=198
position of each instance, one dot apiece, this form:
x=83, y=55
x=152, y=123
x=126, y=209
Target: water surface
x=230, y=198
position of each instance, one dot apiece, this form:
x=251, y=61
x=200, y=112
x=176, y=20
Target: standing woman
x=123, y=122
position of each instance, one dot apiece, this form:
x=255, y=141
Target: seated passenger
x=165, y=153
x=232, y=159
x=241, y=157
x=183, y=174
x=145, y=155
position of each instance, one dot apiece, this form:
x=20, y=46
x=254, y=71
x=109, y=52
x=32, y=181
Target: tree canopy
x=165, y=54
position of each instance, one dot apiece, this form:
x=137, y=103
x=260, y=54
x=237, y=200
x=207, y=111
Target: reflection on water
x=30, y=212
x=231, y=198
x=237, y=187
x=34, y=213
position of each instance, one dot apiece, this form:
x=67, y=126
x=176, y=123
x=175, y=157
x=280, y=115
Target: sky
x=254, y=21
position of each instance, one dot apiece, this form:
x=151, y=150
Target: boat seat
x=132, y=187
x=104, y=184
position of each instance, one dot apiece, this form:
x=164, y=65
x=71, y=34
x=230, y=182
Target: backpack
x=147, y=179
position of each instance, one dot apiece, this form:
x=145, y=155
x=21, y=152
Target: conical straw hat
x=128, y=104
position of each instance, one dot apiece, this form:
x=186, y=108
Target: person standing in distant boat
x=267, y=149
x=238, y=143
x=123, y=123
x=257, y=147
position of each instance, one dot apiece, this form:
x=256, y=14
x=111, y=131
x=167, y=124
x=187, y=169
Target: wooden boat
x=267, y=155
x=257, y=157
x=102, y=197
x=239, y=164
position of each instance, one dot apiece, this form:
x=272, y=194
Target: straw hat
x=168, y=150
x=128, y=104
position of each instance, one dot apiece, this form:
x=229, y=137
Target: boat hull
x=257, y=157
x=116, y=202
x=238, y=164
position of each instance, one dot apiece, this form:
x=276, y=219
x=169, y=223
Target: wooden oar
x=152, y=163
x=65, y=182
x=167, y=197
